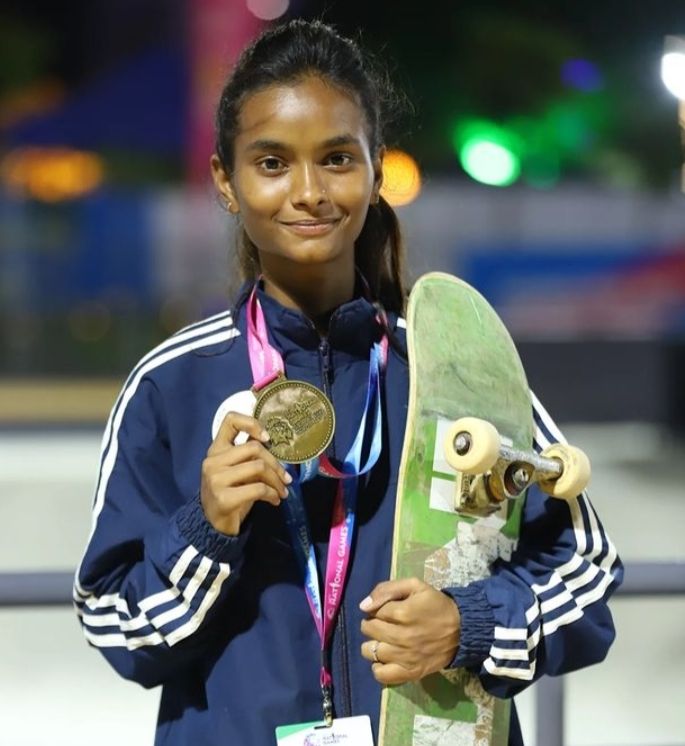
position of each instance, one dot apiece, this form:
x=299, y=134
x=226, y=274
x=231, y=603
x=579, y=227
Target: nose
x=308, y=187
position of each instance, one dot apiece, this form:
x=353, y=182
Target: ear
x=377, y=175
x=223, y=185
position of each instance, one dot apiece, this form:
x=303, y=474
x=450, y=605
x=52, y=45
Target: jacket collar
x=352, y=327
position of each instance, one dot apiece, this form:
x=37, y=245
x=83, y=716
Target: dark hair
x=285, y=54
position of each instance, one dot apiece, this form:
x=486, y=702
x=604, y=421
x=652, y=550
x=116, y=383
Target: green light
x=541, y=169
x=488, y=153
x=490, y=162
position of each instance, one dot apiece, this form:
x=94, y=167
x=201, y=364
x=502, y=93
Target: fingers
x=255, y=472
x=244, y=464
x=248, y=494
x=395, y=634
x=385, y=652
x=234, y=477
x=250, y=451
x=413, y=628
x=390, y=590
x=392, y=665
x=392, y=674
x=235, y=423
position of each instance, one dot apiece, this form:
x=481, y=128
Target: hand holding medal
x=298, y=417
x=234, y=477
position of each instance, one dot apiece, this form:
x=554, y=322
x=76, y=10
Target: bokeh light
x=487, y=152
x=673, y=73
x=268, y=10
x=490, y=163
x=582, y=75
x=51, y=174
x=401, y=178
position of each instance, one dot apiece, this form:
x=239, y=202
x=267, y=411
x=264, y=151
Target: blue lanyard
x=343, y=521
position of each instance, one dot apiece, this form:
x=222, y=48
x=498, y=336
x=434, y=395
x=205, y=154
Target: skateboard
x=467, y=461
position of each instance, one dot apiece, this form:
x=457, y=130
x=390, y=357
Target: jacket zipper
x=325, y=354
x=346, y=694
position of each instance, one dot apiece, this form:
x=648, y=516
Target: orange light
x=30, y=101
x=401, y=178
x=51, y=174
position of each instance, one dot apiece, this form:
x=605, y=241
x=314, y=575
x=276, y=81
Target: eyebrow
x=333, y=142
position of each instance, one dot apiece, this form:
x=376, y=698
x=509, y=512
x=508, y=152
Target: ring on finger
x=374, y=651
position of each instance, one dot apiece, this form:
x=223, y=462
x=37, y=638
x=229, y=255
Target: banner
x=218, y=31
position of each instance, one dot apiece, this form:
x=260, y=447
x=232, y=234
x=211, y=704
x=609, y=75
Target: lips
x=311, y=227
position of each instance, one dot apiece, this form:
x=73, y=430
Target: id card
x=354, y=731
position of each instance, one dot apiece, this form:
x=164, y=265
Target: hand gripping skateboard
x=467, y=461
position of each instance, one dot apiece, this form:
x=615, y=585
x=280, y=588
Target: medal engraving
x=299, y=419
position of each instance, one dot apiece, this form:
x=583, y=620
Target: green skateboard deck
x=462, y=362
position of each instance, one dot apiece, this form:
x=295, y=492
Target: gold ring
x=374, y=651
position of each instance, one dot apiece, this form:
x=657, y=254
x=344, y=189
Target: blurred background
x=542, y=162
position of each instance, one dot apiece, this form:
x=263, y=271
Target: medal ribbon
x=265, y=361
x=267, y=365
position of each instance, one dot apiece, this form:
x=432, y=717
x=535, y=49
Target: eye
x=340, y=160
x=271, y=164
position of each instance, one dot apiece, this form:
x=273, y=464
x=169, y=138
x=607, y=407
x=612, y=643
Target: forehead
x=309, y=109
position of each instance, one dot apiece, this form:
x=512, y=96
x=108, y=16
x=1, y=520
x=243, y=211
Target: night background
x=538, y=155
x=608, y=122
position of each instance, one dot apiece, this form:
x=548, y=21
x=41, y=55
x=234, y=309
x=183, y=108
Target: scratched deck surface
x=462, y=363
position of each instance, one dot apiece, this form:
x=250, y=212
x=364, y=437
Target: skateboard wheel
x=471, y=445
x=575, y=475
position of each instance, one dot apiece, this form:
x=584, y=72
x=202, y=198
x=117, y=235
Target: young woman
x=198, y=574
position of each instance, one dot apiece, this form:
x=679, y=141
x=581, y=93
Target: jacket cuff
x=477, y=625
x=198, y=531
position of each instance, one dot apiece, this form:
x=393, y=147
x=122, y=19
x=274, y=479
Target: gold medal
x=298, y=417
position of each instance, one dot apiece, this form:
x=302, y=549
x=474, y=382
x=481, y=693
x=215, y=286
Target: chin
x=314, y=256
x=313, y=251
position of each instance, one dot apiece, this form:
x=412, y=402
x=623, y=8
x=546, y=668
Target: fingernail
x=264, y=436
x=366, y=604
x=284, y=494
x=287, y=478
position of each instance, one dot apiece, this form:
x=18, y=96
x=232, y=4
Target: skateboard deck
x=462, y=362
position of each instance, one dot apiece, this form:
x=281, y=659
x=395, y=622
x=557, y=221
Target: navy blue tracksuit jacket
x=222, y=622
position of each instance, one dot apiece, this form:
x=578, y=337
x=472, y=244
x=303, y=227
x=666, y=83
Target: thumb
x=390, y=590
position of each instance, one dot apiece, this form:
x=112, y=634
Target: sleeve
x=543, y=611
x=155, y=572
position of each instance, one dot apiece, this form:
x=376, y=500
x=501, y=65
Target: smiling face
x=303, y=176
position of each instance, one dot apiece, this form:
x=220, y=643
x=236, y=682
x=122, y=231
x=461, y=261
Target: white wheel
x=575, y=475
x=471, y=445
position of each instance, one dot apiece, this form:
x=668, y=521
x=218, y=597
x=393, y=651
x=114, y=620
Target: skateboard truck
x=490, y=470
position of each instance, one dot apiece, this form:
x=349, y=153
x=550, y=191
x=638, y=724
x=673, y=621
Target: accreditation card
x=355, y=731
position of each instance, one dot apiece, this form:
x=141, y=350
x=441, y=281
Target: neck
x=312, y=290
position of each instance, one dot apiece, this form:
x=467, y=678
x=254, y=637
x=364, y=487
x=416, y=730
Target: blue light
x=583, y=75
